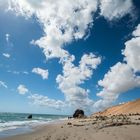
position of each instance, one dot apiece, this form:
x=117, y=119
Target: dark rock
x=69, y=123
x=78, y=114
x=30, y=117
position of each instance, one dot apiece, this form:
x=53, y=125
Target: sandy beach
x=121, y=127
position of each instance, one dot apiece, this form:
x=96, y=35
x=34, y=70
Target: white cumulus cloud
x=132, y=50
x=115, y=9
x=43, y=73
x=45, y=101
x=118, y=80
x=122, y=76
x=22, y=89
x=62, y=21
x=73, y=76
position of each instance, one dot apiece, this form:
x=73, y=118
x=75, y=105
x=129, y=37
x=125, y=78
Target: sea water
x=16, y=123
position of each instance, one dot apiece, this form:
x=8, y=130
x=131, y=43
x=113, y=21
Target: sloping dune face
x=127, y=108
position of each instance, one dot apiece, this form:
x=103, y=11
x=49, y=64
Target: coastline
x=23, y=130
x=83, y=129
x=17, y=123
x=35, y=131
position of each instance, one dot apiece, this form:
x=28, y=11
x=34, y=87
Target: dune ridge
x=132, y=107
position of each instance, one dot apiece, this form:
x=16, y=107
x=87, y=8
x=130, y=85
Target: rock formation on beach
x=78, y=114
x=30, y=116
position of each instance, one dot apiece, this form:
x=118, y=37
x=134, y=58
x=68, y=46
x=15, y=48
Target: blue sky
x=84, y=67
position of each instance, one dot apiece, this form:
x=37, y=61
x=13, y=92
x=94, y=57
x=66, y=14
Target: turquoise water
x=14, y=123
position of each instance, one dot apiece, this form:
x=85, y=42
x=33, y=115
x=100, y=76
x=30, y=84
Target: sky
x=57, y=56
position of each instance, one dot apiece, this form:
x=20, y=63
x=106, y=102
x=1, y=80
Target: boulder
x=78, y=113
x=30, y=117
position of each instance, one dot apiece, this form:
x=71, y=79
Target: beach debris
x=69, y=123
x=78, y=125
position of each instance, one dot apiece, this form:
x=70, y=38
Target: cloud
x=122, y=76
x=18, y=72
x=119, y=79
x=115, y=9
x=2, y=84
x=62, y=23
x=73, y=77
x=43, y=73
x=25, y=72
x=132, y=50
x=7, y=36
x=69, y=83
x=4, y=4
x=62, y=20
x=136, y=32
x=22, y=89
x=47, y=102
x=6, y=55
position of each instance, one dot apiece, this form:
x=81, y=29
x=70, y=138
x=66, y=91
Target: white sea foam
x=17, y=124
x=19, y=121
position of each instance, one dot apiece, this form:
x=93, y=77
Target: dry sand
x=95, y=128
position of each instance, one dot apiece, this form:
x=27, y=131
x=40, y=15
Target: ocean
x=18, y=123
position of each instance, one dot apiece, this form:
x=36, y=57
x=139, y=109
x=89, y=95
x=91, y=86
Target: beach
x=121, y=127
x=18, y=123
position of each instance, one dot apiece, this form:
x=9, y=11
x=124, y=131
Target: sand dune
x=126, y=108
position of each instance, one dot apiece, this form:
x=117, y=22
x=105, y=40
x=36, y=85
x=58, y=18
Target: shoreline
x=34, y=131
x=95, y=128
x=25, y=129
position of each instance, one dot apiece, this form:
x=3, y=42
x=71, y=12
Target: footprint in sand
x=107, y=132
x=114, y=135
x=48, y=138
x=65, y=137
